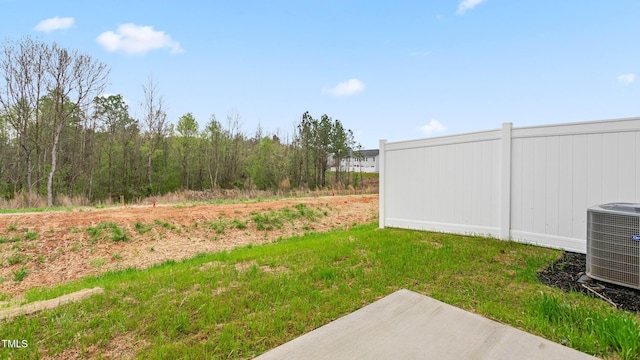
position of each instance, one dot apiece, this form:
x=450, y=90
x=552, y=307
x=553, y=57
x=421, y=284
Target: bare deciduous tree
x=155, y=122
x=24, y=64
x=213, y=133
x=75, y=79
x=37, y=74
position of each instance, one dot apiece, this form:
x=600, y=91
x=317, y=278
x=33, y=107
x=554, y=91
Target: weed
x=75, y=247
x=8, y=239
x=96, y=231
x=166, y=225
x=30, y=235
x=20, y=274
x=308, y=213
x=118, y=234
x=142, y=228
x=239, y=224
x=287, y=214
x=274, y=219
x=116, y=256
x=12, y=227
x=97, y=263
x=16, y=258
x=218, y=226
x=107, y=230
x=266, y=221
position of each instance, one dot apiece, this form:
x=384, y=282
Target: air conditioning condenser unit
x=613, y=243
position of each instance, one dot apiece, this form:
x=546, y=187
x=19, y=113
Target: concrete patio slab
x=408, y=325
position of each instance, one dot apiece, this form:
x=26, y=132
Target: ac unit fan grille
x=612, y=254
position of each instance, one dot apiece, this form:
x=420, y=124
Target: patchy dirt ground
x=57, y=247
x=565, y=272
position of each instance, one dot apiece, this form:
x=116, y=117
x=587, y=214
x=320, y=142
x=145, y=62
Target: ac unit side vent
x=613, y=249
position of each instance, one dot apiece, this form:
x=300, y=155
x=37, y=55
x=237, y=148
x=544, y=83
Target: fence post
x=505, y=182
x=381, y=181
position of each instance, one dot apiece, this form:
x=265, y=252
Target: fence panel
x=442, y=185
x=530, y=184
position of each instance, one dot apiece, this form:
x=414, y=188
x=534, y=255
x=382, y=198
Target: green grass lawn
x=241, y=303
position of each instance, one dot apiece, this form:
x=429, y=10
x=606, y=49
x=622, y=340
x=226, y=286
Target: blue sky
x=397, y=70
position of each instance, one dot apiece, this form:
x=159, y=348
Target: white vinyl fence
x=529, y=184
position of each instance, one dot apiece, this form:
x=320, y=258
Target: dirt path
x=64, y=250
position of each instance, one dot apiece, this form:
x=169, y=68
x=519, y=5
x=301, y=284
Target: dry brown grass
x=235, y=194
x=77, y=200
x=23, y=200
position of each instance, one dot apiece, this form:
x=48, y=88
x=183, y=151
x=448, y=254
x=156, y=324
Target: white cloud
x=467, y=5
x=433, y=126
x=627, y=79
x=346, y=88
x=137, y=39
x=55, y=23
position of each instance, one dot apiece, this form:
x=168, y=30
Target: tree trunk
x=124, y=169
x=27, y=154
x=90, y=184
x=149, y=156
x=54, y=159
x=110, y=170
x=29, y=189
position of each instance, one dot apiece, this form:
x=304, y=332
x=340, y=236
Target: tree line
x=60, y=135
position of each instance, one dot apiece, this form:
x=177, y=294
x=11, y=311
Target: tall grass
x=38, y=201
x=589, y=329
x=240, y=303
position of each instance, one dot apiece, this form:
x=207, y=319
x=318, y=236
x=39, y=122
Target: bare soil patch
x=566, y=272
x=63, y=250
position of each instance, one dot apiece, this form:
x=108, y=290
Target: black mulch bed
x=564, y=274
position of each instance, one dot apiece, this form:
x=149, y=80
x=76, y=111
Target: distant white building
x=369, y=163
